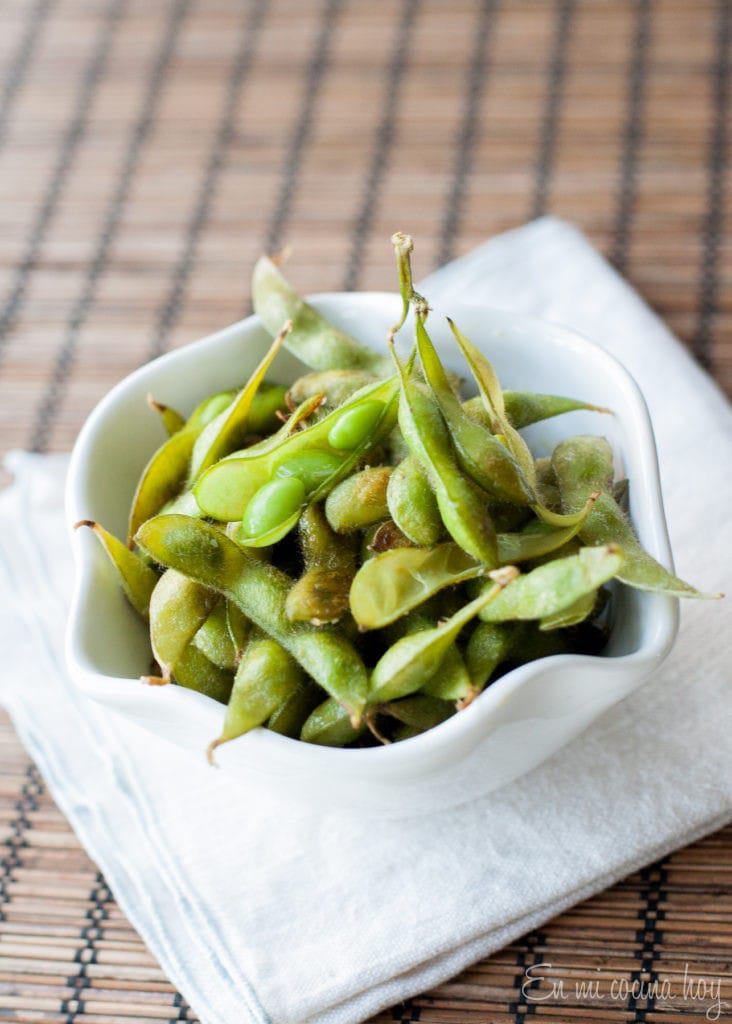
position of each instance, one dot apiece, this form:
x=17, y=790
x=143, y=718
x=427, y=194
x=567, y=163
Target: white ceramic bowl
x=519, y=721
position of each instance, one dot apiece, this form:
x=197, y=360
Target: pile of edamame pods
x=354, y=558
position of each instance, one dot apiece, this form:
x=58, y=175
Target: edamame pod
x=290, y=717
x=414, y=659
x=224, y=490
x=194, y=671
x=214, y=639
x=461, y=505
x=554, y=586
x=172, y=421
x=321, y=594
x=136, y=578
x=267, y=677
x=260, y=590
x=313, y=340
x=417, y=714
x=524, y=407
x=412, y=503
x=330, y=725
x=450, y=680
x=336, y=386
x=490, y=644
x=585, y=463
x=359, y=501
x=178, y=609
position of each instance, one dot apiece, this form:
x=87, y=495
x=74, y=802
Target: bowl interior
x=107, y=638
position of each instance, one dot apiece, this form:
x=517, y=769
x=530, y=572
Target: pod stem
x=403, y=247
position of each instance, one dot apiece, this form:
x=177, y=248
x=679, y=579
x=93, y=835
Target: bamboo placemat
x=150, y=151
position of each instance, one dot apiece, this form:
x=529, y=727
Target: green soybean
x=354, y=425
x=178, y=608
x=214, y=639
x=313, y=468
x=271, y=506
x=289, y=718
x=321, y=594
x=462, y=506
x=336, y=386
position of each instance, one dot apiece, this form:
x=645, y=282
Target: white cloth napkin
x=270, y=915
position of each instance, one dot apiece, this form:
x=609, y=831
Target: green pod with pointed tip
x=584, y=464
x=315, y=342
x=136, y=578
x=267, y=677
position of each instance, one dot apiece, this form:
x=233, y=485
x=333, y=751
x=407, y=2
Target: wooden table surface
x=150, y=151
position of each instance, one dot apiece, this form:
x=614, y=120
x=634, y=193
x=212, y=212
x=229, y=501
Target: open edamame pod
x=585, y=463
x=136, y=578
x=313, y=340
x=206, y=555
x=225, y=489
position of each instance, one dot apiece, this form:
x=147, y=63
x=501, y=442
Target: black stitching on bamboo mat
x=86, y=953
x=477, y=80
x=527, y=956
x=383, y=142
x=632, y=136
x=556, y=70
x=712, y=230
x=18, y=67
x=653, y=883
x=18, y=826
x=241, y=64
x=182, y=1007
x=61, y=171
x=406, y=1012
x=303, y=123
x=50, y=402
